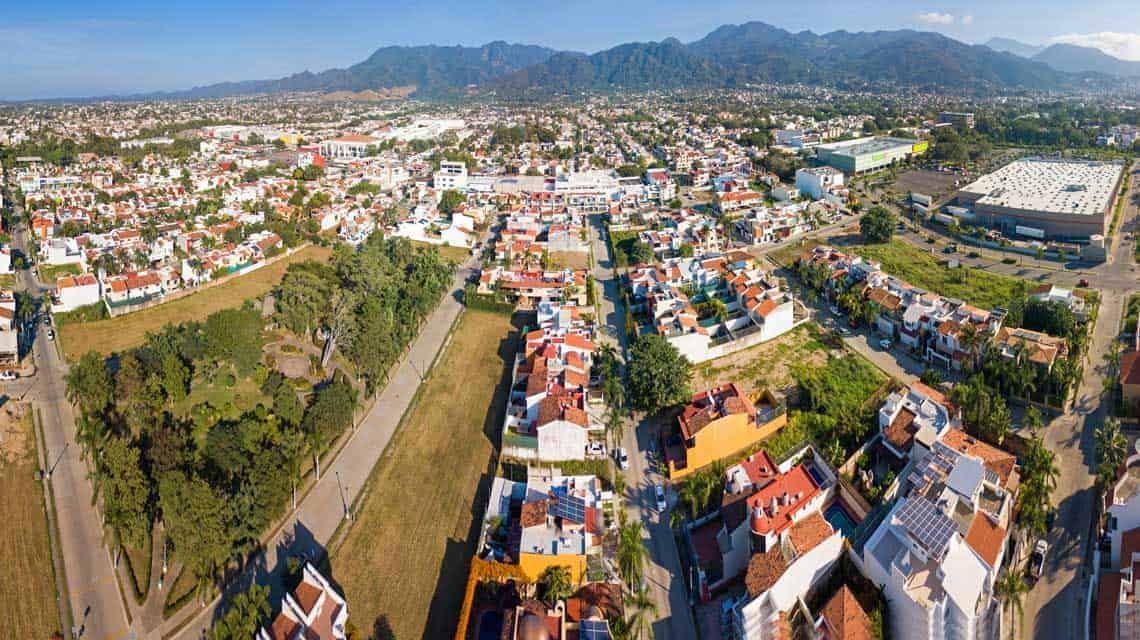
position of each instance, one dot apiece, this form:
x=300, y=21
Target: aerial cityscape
x=812, y=322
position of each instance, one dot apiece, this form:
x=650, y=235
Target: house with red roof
x=312, y=611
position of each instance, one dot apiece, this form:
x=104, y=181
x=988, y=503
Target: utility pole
x=343, y=499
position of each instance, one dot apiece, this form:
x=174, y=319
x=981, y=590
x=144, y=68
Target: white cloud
x=933, y=17
x=967, y=19
x=1125, y=46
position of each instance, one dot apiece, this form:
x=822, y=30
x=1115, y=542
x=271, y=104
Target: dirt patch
x=767, y=365
x=932, y=183
x=570, y=259
x=15, y=436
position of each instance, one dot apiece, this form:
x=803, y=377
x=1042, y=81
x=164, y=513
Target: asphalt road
x=1055, y=607
x=663, y=572
x=96, y=606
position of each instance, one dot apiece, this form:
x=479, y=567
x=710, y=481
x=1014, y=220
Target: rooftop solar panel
x=594, y=630
x=927, y=525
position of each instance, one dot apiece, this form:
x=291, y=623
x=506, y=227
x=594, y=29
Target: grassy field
x=124, y=332
x=406, y=558
x=50, y=272
x=905, y=261
x=27, y=585
x=458, y=254
x=766, y=365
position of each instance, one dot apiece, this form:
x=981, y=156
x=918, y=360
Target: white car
x=885, y=343
x=596, y=450
x=8, y=374
x=51, y=334
x=659, y=494
x=1037, y=560
x=622, y=459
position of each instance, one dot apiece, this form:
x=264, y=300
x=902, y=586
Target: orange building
x=718, y=423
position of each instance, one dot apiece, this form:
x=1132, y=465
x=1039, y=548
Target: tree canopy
x=877, y=225
x=659, y=375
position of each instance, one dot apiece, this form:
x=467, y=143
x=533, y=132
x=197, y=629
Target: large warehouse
x=1042, y=198
x=867, y=154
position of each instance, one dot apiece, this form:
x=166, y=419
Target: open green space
x=458, y=255
x=904, y=261
x=407, y=556
x=49, y=273
x=122, y=333
x=27, y=585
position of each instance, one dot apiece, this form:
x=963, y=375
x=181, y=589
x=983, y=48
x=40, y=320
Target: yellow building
x=717, y=424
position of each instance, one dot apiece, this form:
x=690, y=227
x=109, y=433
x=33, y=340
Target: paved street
x=663, y=572
x=96, y=606
x=1055, y=607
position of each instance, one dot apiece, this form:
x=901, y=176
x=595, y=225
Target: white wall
x=562, y=440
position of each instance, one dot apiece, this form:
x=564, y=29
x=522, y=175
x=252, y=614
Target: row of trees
x=367, y=304
x=215, y=478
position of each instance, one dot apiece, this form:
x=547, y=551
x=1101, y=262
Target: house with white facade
x=72, y=292
x=312, y=611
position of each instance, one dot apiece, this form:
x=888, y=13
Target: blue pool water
x=838, y=518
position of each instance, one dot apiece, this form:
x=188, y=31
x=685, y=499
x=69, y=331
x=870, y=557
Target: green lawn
x=121, y=333
x=50, y=272
x=979, y=288
x=230, y=401
x=27, y=584
x=457, y=254
x=407, y=556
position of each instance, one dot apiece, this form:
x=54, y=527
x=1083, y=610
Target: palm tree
x=970, y=339
x=644, y=610
x=1011, y=589
x=1111, y=449
x=558, y=584
x=631, y=552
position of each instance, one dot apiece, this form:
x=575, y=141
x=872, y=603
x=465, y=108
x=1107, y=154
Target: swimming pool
x=840, y=520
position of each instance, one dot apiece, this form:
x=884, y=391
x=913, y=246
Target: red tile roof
x=986, y=538
x=845, y=618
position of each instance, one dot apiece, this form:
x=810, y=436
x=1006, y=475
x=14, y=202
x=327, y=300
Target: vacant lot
x=457, y=254
x=407, y=556
x=921, y=269
x=932, y=183
x=27, y=586
x=124, y=332
x=767, y=365
x=49, y=273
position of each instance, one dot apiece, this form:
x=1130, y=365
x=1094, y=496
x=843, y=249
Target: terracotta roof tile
x=845, y=617
x=986, y=538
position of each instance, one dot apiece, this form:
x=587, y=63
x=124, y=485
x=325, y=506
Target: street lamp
x=51, y=469
x=343, y=500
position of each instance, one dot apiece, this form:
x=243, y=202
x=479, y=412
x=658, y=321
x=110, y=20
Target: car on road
x=659, y=494
x=1037, y=560
x=8, y=374
x=844, y=331
x=51, y=334
x=622, y=458
x=47, y=320
x=596, y=450
x=953, y=248
x=886, y=343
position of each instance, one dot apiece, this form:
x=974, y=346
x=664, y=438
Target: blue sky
x=95, y=47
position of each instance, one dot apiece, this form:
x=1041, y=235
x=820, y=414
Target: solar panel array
x=927, y=524
x=594, y=630
x=569, y=507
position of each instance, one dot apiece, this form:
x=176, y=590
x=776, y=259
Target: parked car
x=1083, y=282
x=47, y=320
x=596, y=450
x=622, y=459
x=1037, y=560
x=953, y=248
x=51, y=334
x=659, y=494
x=885, y=343
x=844, y=331
x=8, y=374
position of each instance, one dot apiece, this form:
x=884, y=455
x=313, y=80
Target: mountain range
x=730, y=56
x=1069, y=58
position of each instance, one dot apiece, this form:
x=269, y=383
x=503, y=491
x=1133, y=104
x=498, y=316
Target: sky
x=77, y=48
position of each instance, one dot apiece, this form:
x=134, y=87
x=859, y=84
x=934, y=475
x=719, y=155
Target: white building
x=451, y=175
x=313, y=611
x=347, y=147
x=72, y=292
x=937, y=586
x=817, y=181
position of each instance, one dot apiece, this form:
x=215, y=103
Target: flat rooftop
x=864, y=146
x=1069, y=187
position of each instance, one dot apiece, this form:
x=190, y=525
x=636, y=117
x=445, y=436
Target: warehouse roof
x=865, y=146
x=1073, y=187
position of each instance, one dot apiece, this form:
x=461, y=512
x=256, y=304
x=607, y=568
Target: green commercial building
x=868, y=154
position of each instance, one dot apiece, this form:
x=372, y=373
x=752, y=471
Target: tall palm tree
x=631, y=552
x=970, y=339
x=1011, y=590
x=644, y=610
x=1111, y=449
